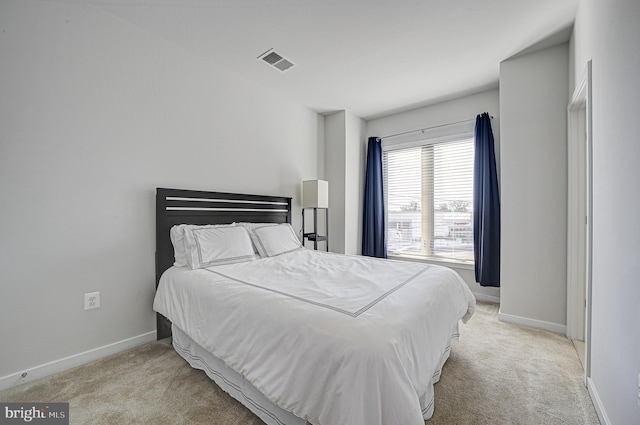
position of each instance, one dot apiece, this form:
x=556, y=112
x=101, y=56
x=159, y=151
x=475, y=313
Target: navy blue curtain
x=486, y=206
x=373, y=238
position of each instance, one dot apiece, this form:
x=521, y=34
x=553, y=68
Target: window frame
x=431, y=136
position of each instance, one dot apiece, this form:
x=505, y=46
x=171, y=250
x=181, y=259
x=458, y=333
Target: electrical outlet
x=91, y=300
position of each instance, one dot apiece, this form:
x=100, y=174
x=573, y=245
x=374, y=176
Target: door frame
x=579, y=214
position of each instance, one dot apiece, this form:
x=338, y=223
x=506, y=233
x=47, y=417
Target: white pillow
x=250, y=227
x=275, y=240
x=214, y=246
x=177, y=240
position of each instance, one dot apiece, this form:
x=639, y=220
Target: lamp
x=315, y=194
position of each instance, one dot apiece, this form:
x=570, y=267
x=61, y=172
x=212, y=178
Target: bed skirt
x=231, y=382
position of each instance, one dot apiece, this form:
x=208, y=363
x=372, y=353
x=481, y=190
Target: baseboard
x=487, y=298
x=597, y=403
x=41, y=371
x=533, y=323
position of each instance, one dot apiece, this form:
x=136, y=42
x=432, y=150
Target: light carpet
x=497, y=374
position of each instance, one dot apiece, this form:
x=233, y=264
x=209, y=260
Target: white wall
x=94, y=115
x=335, y=172
x=534, y=95
x=464, y=108
x=344, y=159
x=608, y=32
x=354, y=183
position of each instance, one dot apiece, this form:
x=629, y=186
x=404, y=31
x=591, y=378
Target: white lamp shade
x=315, y=194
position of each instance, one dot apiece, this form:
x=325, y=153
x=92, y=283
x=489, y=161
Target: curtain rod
x=427, y=128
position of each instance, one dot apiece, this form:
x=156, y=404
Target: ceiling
x=370, y=57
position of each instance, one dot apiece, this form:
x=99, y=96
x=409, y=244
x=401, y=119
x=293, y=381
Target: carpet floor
x=497, y=374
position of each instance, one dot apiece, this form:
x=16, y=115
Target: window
x=429, y=199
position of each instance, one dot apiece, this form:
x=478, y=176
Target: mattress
x=327, y=337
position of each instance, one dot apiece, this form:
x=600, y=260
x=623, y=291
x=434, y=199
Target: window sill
x=447, y=263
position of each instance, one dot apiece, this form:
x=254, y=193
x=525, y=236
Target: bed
x=300, y=336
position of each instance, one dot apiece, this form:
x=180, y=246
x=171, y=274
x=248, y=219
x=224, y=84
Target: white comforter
x=333, y=339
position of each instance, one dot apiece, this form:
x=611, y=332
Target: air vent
x=276, y=60
x=283, y=65
x=272, y=58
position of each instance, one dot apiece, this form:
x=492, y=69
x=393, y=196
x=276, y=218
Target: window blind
x=429, y=200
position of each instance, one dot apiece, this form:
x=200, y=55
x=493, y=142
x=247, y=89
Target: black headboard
x=179, y=206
